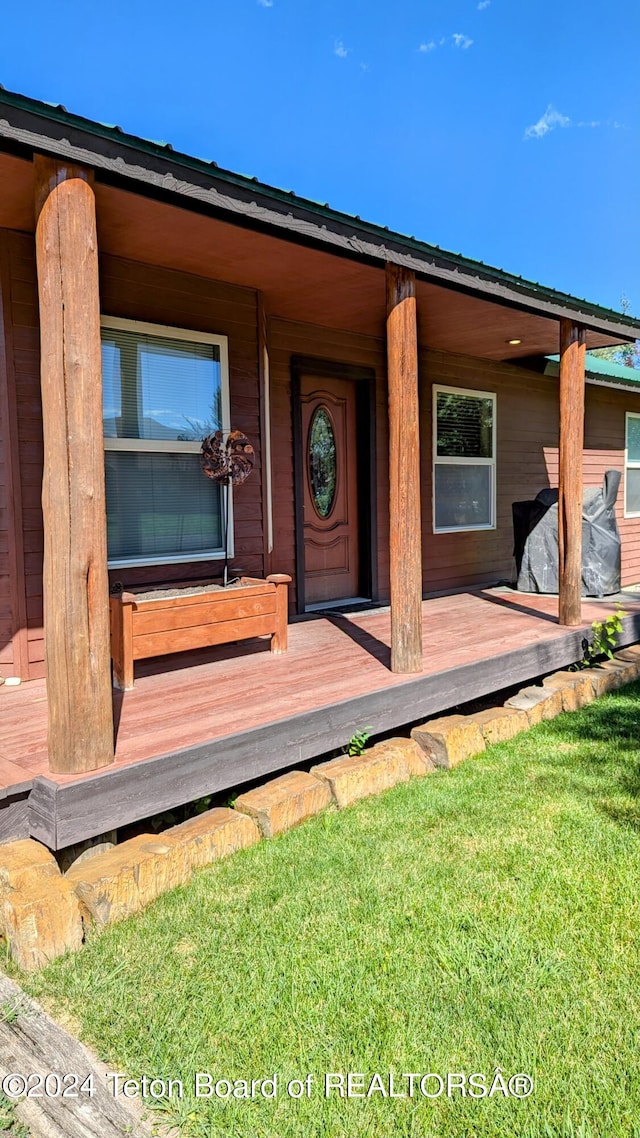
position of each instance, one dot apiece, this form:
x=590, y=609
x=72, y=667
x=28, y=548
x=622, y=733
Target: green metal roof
x=323, y=212
x=595, y=366
x=599, y=369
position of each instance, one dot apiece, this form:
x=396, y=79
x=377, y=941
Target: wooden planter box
x=143, y=625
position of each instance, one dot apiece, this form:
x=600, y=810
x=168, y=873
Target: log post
x=405, y=521
x=571, y=441
x=75, y=586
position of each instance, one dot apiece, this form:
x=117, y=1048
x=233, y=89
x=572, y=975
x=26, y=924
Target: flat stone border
x=377, y=769
x=43, y=913
x=122, y=881
x=283, y=802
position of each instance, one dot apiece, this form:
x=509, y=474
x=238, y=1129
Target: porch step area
x=344, y=605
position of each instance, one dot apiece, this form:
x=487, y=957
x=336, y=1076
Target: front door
x=330, y=494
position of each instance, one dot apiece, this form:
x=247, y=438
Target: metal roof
x=602, y=372
x=343, y=232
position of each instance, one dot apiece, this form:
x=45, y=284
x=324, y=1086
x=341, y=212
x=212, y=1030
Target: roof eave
x=159, y=171
x=619, y=383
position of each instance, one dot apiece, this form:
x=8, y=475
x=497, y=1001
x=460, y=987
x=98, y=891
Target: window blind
x=463, y=460
x=161, y=397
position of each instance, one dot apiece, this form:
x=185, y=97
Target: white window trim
x=267, y=447
x=453, y=461
x=628, y=465
x=117, y=323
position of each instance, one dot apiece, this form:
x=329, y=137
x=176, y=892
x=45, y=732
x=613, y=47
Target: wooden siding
x=22, y=434
x=527, y=452
x=527, y=461
x=285, y=340
x=6, y=605
x=164, y=296
x=526, y=415
x=160, y=296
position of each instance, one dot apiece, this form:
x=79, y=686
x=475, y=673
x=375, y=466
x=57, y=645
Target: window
x=163, y=390
x=464, y=459
x=632, y=466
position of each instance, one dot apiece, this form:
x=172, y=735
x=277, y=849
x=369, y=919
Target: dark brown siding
x=287, y=339
x=25, y=555
x=527, y=452
x=6, y=605
x=163, y=296
x=527, y=433
x=527, y=461
x=158, y=296
x=526, y=429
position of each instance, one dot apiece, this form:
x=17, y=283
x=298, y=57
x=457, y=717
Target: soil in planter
x=145, y=594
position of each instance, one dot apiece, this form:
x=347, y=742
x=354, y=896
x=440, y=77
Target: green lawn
x=8, y=1124
x=480, y=918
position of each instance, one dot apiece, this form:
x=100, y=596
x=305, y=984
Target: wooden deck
x=200, y=722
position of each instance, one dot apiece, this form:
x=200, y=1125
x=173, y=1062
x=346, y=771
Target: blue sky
x=507, y=130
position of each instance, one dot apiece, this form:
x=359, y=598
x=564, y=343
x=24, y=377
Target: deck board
x=198, y=703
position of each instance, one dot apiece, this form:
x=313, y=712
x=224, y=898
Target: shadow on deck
x=201, y=722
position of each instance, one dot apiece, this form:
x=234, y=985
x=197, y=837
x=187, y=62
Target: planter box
x=177, y=619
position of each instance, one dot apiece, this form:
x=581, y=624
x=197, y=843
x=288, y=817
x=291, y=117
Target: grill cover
x=535, y=529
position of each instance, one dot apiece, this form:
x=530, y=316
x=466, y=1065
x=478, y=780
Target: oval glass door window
x=322, y=462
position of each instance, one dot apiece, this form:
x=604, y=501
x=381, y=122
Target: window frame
x=629, y=465
x=177, y=446
x=456, y=460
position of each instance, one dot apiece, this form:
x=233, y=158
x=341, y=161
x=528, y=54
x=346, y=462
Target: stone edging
x=43, y=913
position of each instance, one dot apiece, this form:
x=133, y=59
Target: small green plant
x=13, y=1008
x=604, y=636
x=8, y=1121
x=357, y=742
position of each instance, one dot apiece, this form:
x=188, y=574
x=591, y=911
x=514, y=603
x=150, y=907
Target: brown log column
x=405, y=522
x=76, y=593
x=572, y=363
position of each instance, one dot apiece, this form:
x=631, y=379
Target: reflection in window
x=162, y=393
x=632, y=467
x=322, y=462
x=463, y=460
x=158, y=388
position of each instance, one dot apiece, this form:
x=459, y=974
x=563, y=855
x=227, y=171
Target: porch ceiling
x=298, y=282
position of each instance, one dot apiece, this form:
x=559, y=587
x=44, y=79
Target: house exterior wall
x=527, y=461
x=527, y=440
x=605, y=450
x=21, y=481
x=286, y=340
x=134, y=291
x=527, y=452
x=163, y=296
x=6, y=606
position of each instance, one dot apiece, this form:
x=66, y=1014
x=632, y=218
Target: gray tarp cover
x=536, y=540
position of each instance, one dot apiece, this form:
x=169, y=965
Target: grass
x=9, y=1125
x=480, y=918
